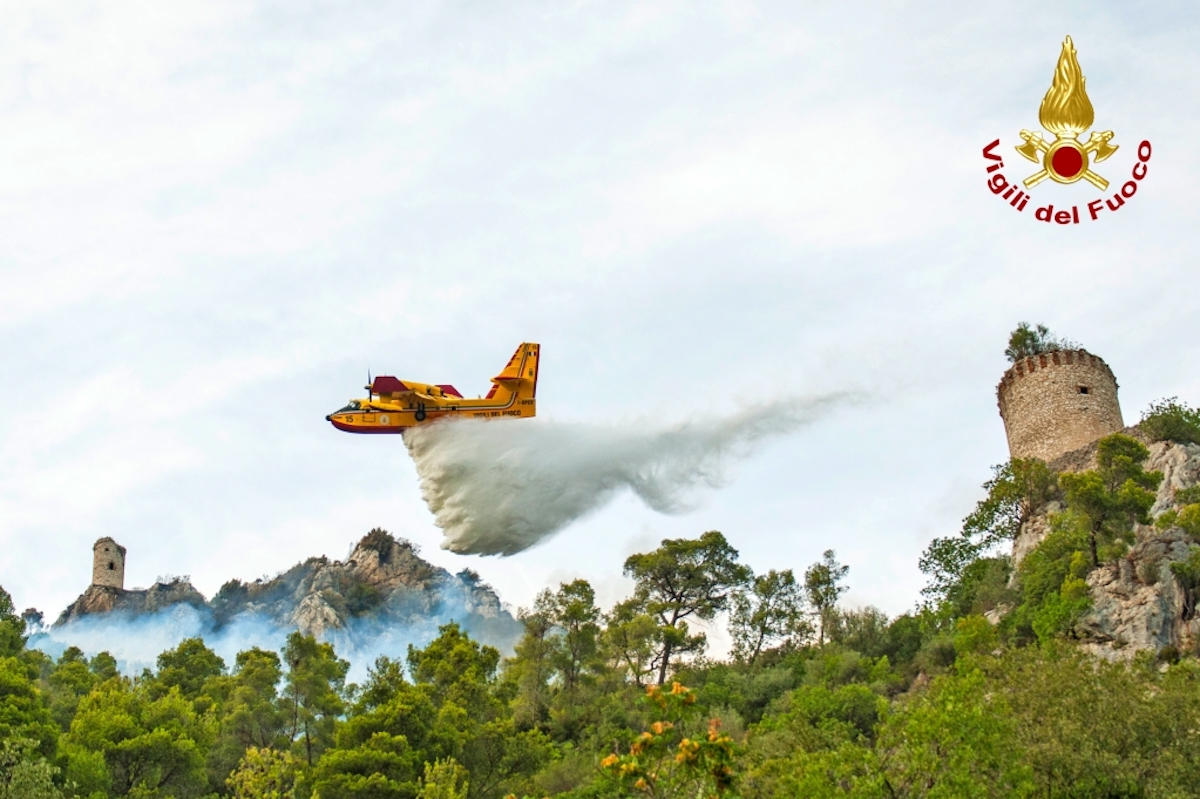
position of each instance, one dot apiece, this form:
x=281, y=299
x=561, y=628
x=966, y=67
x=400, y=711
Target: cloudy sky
x=216, y=217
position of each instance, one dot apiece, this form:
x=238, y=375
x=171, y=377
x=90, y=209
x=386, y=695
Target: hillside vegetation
x=1004, y=681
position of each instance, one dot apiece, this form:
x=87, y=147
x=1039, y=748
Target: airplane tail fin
x=519, y=377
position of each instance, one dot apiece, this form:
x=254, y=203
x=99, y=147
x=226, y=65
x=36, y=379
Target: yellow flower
x=609, y=761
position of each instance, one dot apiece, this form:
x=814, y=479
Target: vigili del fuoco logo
x=1067, y=113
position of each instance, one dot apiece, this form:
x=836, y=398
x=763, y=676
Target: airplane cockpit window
x=353, y=406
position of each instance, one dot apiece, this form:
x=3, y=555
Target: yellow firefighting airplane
x=393, y=406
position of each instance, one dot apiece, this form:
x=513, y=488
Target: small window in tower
x=1083, y=389
x=110, y=566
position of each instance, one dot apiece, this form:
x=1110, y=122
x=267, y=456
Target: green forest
x=980, y=690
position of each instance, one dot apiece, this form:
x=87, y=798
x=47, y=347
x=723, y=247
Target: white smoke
x=136, y=640
x=499, y=487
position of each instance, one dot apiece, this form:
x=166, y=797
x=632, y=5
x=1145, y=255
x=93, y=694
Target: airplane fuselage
x=395, y=405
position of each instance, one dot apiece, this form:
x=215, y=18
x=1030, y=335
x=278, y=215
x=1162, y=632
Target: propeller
x=370, y=382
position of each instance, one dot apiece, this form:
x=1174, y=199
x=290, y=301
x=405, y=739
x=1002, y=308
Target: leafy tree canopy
x=126, y=743
x=12, y=627
x=681, y=579
x=770, y=611
x=187, y=667
x=822, y=586
x=1015, y=492
x=1115, y=496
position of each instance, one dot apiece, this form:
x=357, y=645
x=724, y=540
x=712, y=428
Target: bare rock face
x=1033, y=532
x=1138, y=605
x=98, y=599
x=384, y=583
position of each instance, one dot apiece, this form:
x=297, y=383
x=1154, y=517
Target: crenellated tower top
x=1056, y=402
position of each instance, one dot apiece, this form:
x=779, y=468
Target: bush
x=1188, y=571
x=1188, y=496
x=1026, y=341
x=1052, y=581
x=974, y=634
x=1186, y=518
x=1172, y=420
x=1188, y=574
x=1060, y=611
x=1148, y=570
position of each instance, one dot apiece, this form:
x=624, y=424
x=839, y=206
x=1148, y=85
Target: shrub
x=1188, y=574
x=1186, y=518
x=1188, y=496
x=1148, y=570
x=1060, y=611
x=1051, y=578
x=1188, y=571
x=662, y=761
x=974, y=634
x=1172, y=420
x=1026, y=341
x=1189, y=519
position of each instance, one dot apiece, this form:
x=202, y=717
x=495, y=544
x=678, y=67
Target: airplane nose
x=329, y=418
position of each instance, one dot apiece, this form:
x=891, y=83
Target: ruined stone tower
x=1057, y=402
x=108, y=563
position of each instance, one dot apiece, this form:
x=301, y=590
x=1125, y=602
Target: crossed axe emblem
x=1034, y=145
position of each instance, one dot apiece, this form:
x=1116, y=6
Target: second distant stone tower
x=1057, y=402
x=108, y=563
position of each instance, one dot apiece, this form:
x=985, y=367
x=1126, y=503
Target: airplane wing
x=386, y=384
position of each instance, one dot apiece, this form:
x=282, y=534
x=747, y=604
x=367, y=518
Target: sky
x=216, y=217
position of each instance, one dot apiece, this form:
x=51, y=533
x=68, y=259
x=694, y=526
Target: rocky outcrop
x=383, y=586
x=1033, y=532
x=1137, y=603
x=109, y=599
x=383, y=582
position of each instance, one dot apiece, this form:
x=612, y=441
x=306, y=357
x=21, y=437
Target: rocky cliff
x=383, y=586
x=107, y=599
x=1138, y=604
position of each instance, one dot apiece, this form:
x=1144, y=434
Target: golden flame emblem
x=1067, y=112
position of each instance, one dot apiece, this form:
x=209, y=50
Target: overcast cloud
x=216, y=217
